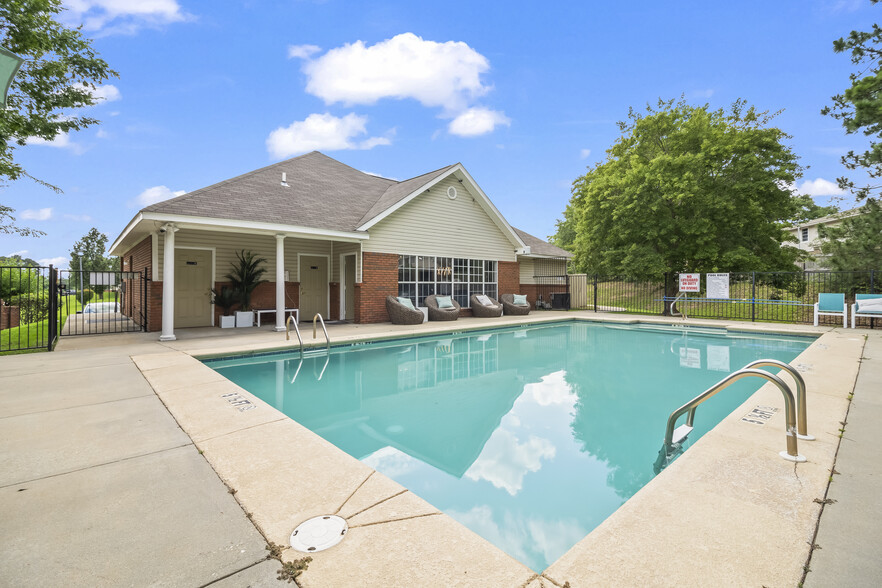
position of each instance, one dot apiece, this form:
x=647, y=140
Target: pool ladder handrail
x=790, y=454
x=318, y=317
x=290, y=320
x=801, y=418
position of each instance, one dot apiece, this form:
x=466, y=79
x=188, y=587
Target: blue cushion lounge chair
x=861, y=308
x=832, y=305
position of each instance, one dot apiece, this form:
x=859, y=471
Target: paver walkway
x=100, y=487
x=850, y=529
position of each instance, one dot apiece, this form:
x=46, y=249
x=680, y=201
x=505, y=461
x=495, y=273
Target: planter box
x=227, y=322
x=244, y=319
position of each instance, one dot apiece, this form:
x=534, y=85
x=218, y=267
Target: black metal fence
x=40, y=304
x=752, y=296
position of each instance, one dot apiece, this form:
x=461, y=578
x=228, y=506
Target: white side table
x=425, y=311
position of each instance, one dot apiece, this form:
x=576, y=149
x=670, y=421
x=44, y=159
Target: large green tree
x=91, y=249
x=56, y=80
x=856, y=243
x=686, y=188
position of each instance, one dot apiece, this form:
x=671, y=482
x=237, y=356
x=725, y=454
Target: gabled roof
x=322, y=196
x=541, y=248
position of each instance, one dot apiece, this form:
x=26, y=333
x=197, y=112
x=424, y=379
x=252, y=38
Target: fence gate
x=93, y=303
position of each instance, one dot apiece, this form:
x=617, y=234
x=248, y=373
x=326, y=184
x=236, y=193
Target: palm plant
x=246, y=275
x=225, y=299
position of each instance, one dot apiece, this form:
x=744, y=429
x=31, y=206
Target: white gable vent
x=451, y=193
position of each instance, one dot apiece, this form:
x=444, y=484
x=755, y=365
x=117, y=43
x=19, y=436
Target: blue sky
x=524, y=94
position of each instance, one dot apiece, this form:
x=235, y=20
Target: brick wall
x=9, y=316
x=154, y=306
x=509, y=277
x=334, y=295
x=379, y=279
x=264, y=297
x=137, y=259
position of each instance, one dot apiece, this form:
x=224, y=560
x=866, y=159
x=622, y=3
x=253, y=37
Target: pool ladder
x=796, y=426
x=290, y=320
x=318, y=317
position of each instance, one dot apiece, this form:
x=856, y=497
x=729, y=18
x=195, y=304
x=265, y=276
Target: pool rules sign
x=690, y=282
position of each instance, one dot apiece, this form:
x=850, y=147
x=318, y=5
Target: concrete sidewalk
x=849, y=540
x=100, y=487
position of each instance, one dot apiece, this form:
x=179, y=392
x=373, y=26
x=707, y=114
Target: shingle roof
x=540, y=247
x=323, y=193
x=399, y=191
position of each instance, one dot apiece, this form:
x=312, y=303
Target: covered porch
x=315, y=272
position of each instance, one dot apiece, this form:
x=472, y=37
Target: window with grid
x=805, y=234
x=420, y=276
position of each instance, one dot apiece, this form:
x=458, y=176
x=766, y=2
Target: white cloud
x=61, y=141
x=477, y=121
x=156, y=194
x=505, y=461
x=820, y=187
x=406, y=66
x=38, y=214
x=105, y=93
x=391, y=462
x=706, y=93
x=21, y=253
x=59, y=262
x=321, y=131
x=80, y=218
x=102, y=134
x=123, y=16
x=302, y=51
x=584, y=154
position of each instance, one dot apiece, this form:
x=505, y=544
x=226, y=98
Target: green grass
x=37, y=333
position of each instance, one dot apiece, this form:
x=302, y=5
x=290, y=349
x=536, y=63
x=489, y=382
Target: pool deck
x=127, y=461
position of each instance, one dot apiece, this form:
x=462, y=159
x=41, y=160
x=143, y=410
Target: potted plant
x=246, y=275
x=225, y=299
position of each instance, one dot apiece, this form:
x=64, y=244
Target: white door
x=313, y=287
x=192, y=288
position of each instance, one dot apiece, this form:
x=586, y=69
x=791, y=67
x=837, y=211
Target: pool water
x=529, y=436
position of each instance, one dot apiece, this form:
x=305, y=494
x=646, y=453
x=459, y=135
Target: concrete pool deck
x=731, y=513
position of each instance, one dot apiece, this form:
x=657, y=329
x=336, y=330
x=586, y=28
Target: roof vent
x=285, y=180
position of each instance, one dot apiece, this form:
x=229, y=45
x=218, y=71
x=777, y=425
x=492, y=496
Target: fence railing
x=40, y=304
x=753, y=296
x=28, y=308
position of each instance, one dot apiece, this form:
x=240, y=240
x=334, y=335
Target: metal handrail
x=791, y=453
x=322, y=321
x=674, y=303
x=296, y=330
x=802, y=431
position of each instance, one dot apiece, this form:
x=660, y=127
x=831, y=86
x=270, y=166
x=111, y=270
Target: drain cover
x=318, y=533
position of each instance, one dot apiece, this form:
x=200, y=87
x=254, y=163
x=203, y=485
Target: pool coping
x=397, y=538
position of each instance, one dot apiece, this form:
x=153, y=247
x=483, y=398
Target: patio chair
x=484, y=306
x=831, y=305
x=866, y=305
x=442, y=314
x=400, y=314
x=509, y=306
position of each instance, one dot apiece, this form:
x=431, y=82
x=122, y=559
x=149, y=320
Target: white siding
x=432, y=224
x=227, y=244
x=526, y=268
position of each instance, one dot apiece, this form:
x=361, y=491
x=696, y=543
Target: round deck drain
x=318, y=533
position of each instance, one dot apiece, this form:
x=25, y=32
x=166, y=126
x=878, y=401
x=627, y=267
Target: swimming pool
x=529, y=436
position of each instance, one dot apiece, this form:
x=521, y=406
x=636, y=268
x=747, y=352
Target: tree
x=686, y=188
x=808, y=210
x=860, y=106
x=58, y=76
x=91, y=248
x=856, y=244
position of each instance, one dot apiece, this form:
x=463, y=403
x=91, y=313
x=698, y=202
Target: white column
x=280, y=282
x=168, y=284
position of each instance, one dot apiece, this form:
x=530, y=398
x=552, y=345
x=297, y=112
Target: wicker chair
x=442, y=314
x=509, y=307
x=402, y=315
x=483, y=311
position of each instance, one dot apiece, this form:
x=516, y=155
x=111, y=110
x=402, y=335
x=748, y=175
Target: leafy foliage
x=856, y=244
x=59, y=73
x=90, y=249
x=226, y=299
x=808, y=210
x=33, y=307
x=686, y=188
x=860, y=106
x=246, y=275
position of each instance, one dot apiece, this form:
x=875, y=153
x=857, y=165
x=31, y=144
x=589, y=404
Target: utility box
x=560, y=301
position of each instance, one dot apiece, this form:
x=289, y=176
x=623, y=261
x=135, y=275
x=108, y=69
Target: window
x=423, y=275
x=805, y=234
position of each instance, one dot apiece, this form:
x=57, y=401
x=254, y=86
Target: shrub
x=87, y=296
x=33, y=308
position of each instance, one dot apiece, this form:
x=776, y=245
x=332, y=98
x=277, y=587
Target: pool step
x=680, y=433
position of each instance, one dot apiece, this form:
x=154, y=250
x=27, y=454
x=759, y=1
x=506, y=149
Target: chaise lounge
x=484, y=306
x=439, y=313
x=517, y=307
x=401, y=314
x=866, y=305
